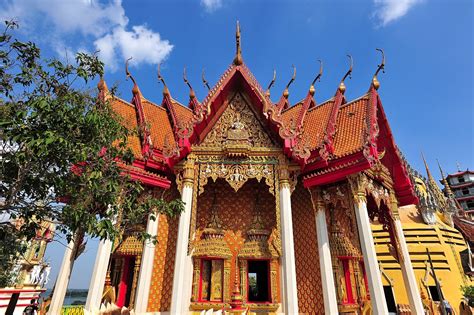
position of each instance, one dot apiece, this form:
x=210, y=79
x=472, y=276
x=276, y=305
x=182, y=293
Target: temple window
x=390, y=299
x=347, y=275
x=211, y=280
x=258, y=281
x=434, y=293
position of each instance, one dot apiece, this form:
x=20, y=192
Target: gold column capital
x=394, y=205
x=188, y=170
x=316, y=194
x=358, y=183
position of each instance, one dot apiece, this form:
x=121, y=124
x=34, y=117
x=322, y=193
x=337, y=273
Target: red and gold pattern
x=161, y=286
x=236, y=213
x=308, y=274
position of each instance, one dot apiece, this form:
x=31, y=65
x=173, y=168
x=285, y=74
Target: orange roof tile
x=351, y=127
x=129, y=119
x=291, y=114
x=183, y=113
x=315, y=122
x=159, y=124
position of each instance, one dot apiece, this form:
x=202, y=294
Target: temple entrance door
x=258, y=281
x=126, y=280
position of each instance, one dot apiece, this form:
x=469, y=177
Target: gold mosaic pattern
x=236, y=212
x=163, y=265
x=308, y=274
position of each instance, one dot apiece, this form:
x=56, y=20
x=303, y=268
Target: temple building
x=305, y=208
x=461, y=184
x=31, y=272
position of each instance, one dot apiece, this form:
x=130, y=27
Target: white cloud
x=142, y=44
x=211, y=5
x=387, y=11
x=58, y=22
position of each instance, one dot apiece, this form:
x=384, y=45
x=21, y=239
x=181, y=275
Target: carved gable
x=238, y=130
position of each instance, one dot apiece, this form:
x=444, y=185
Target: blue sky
x=427, y=90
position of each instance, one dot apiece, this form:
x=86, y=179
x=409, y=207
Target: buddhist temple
x=306, y=208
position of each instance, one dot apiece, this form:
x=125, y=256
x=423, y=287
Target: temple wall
x=444, y=244
x=236, y=213
x=163, y=265
x=308, y=274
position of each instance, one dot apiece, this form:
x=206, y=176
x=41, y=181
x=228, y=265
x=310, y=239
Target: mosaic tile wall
x=308, y=274
x=236, y=212
x=162, y=277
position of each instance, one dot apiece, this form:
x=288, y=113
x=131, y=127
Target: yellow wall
x=444, y=244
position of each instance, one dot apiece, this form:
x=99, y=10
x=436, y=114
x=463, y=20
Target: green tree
x=60, y=149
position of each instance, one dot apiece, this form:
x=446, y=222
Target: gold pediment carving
x=238, y=130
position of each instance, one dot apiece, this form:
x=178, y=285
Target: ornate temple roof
x=329, y=141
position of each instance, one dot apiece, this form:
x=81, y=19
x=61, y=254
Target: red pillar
x=122, y=294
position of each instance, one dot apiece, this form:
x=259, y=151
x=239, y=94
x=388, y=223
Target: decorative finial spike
x=267, y=93
x=238, y=54
x=317, y=78
x=204, y=81
x=342, y=86
x=381, y=66
x=160, y=77
x=135, y=89
x=191, y=91
x=286, y=93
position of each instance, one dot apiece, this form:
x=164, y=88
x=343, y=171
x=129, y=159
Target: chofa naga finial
x=317, y=78
x=267, y=92
x=342, y=86
x=185, y=79
x=286, y=93
x=135, y=89
x=204, y=81
x=381, y=66
x=160, y=77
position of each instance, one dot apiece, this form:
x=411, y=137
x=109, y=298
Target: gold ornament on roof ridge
x=185, y=79
x=286, y=92
x=238, y=54
x=162, y=80
x=342, y=86
x=381, y=66
x=317, y=78
x=135, y=89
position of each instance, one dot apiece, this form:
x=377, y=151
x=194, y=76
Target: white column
x=325, y=263
x=409, y=279
x=96, y=286
x=146, y=269
x=377, y=296
x=183, y=266
x=288, y=260
x=62, y=281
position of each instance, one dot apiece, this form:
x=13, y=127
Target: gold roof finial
x=381, y=66
x=342, y=86
x=444, y=181
x=191, y=91
x=286, y=93
x=135, y=89
x=204, y=81
x=267, y=92
x=317, y=78
x=160, y=77
x=238, y=54
x=101, y=86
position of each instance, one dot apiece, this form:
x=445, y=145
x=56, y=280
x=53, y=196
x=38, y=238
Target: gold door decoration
x=216, y=279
